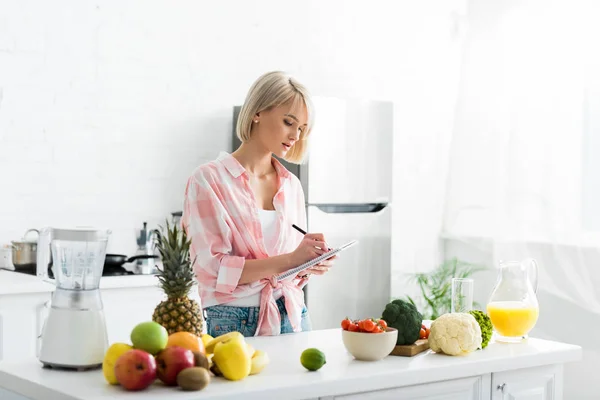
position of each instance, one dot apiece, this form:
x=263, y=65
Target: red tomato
x=361, y=325
x=368, y=325
x=377, y=329
x=345, y=323
x=427, y=332
x=422, y=334
x=353, y=327
x=382, y=324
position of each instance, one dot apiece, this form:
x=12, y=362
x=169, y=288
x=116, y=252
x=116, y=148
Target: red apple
x=135, y=369
x=171, y=361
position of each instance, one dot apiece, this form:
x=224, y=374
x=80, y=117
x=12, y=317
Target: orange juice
x=512, y=318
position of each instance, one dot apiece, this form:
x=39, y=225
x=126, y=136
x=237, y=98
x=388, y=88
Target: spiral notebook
x=315, y=261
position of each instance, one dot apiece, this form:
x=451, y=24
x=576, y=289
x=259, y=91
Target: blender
x=74, y=333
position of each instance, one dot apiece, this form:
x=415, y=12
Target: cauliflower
x=455, y=334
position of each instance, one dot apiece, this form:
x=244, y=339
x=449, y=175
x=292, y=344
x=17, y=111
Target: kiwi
x=215, y=370
x=200, y=360
x=194, y=378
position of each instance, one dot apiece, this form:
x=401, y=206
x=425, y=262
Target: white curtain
x=524, y=172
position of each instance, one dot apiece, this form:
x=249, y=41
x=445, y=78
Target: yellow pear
x=250, y=349
x=110, y=358
x=210, y=346
x=232, y=358
x=206, y=338
x=260, y=360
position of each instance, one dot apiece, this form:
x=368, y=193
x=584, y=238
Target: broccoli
x=486, y=326
x=403, y=316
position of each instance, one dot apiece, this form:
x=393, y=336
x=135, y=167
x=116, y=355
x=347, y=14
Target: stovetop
x=108, y=271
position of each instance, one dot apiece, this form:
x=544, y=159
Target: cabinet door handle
x=501, y=387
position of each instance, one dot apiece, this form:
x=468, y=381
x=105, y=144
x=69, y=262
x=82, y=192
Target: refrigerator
x=347, y=182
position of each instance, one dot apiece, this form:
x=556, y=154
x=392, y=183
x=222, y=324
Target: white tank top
x=268, y=222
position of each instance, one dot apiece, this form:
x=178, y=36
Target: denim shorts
x=222, y=319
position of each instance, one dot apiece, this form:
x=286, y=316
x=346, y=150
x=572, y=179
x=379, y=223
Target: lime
x=312, y=359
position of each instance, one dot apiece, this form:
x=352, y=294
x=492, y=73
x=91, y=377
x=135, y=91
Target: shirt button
x=243, y=322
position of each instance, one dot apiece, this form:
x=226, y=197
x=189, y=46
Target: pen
x=302, y=231
x=296, y=227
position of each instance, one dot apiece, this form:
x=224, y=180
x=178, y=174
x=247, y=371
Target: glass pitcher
x=513, y=306
x=78, y=257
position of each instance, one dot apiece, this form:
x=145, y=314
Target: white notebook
x=315, y=261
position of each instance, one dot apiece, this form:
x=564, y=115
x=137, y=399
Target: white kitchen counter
x=285, y=378
x=18, y=283
x=128, y=281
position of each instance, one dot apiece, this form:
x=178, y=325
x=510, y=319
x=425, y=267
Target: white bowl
x=370, y=346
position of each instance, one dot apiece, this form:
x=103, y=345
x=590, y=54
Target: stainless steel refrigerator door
x=350, y=157
x=358, y=284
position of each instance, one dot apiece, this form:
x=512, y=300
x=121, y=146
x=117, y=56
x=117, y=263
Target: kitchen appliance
x=24, y=251
x=145, y=257
x=347, y=183
x=144, y=240
x=6, y=257
x=144, y=265
x=115, y=263
x=74, y=333
x=143, y=262
x=513, y=306
x=176, y=217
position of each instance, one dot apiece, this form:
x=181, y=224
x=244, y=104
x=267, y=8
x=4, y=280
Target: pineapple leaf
x=176, y=277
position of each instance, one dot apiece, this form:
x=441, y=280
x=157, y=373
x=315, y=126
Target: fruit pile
x=179, y=359
x=368, y=325
x=233, y=358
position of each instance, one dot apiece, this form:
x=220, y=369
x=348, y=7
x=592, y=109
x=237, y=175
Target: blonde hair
x=272, y=90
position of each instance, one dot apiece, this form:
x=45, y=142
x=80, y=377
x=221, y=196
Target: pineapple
x=178, y=312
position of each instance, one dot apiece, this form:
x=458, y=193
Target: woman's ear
x=256, y=116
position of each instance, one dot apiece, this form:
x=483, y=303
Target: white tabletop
x=285, y=378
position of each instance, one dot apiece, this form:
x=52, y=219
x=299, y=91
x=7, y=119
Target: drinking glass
x=462, y=295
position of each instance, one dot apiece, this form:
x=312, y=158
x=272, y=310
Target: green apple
x=150, y=337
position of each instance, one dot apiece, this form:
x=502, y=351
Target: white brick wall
x=107, y=106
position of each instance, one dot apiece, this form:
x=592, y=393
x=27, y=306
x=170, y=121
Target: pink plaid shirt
x=221, y=217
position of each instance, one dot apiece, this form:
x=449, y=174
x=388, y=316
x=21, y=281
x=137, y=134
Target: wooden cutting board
x=409, y=350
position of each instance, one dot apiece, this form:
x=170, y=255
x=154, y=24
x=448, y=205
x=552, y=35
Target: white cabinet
x=22, y=317
x=539, y=383
x=126, y=307
x=472, y=388
x=7, y=395
x=1, y=340
x=41, y=312
x=21, y=324
x=542, y=383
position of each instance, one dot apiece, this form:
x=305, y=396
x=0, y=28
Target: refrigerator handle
x=350, y=208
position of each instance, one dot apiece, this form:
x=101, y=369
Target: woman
x=239, y=210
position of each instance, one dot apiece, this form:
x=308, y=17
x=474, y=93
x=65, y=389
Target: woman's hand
x=311, y=246
x=319, y=269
